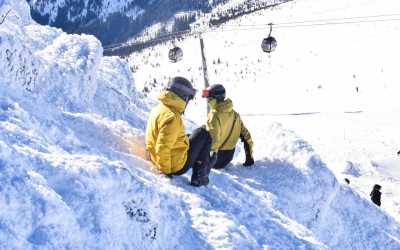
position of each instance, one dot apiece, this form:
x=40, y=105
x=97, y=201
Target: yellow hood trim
x=172, y=101
x=225, y=106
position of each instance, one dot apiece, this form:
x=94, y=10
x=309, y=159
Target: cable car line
x=316, y=20
x=306, y=23
x=277, y=26
x=163, y=37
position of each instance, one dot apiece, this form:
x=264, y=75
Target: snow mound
x=44, y=65
x=308, y=193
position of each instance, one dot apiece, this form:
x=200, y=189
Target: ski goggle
x=205, y=93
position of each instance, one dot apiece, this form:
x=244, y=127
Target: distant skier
x=376, y=195
x=169, y=147
x=225, y=127
x=398, y=153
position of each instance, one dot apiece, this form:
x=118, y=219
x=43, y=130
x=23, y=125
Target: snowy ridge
x=71, y=176
x=37, y=62
x=49, y=8
x=102, y=10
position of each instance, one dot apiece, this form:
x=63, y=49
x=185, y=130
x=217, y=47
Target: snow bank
x=308, y=193
x=43, y=64
x=70, y=181
x=61, y=105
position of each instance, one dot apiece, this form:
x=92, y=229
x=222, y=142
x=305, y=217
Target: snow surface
x=72, y=176
x=324, y=82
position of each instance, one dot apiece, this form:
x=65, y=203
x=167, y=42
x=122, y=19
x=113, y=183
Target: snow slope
x=335, y=85
x=71, y=128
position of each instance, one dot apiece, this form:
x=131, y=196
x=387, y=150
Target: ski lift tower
x=203, y=59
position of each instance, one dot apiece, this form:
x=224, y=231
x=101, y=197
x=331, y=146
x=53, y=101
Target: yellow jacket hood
x=172, y=101
x=166, y=140
x=225, y=106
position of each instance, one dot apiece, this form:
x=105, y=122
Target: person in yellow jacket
x=168, y=146
x=225, y=127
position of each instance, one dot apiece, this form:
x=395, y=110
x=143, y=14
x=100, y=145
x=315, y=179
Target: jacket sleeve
x=214, y=128
x=246, y=137
x=168, y=134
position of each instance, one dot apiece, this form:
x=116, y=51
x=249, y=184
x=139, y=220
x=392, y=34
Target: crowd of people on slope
x=209, y=146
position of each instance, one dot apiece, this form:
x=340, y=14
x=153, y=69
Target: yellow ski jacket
x=225, y=124
x=166, y=140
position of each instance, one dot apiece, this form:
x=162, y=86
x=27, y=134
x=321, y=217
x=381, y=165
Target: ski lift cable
x=277, y=26
x=309, y=23
x=315, y=21
x=338, y=23
x=163, y=37
x=122, y=45
x=287, y=25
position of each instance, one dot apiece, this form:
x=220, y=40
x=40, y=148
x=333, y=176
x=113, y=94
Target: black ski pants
x=224, y=157
x=199, y=150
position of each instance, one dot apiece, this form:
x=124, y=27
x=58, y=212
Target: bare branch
x=3, y=17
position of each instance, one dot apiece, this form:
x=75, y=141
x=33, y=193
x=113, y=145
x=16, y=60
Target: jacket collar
x=225, y=106
x=172, y=101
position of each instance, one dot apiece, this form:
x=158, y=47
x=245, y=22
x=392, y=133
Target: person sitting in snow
x=376, y=195
x=225, y=127
x=169, y=148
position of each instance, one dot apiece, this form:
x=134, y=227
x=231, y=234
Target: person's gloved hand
x=249, y=162
x=249, y=156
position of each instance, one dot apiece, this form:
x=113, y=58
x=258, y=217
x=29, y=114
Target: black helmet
x=216, y=91
x=182, y=88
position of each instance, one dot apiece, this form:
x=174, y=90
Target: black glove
x=249, y=158
x=249, y=162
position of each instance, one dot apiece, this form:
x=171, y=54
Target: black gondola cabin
x=268, y=44
x=175, y=54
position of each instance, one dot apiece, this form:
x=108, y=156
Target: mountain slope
x=117, y=21
x=335, y=85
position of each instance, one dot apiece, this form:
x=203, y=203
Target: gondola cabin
x=268, y=44
x=175, y=54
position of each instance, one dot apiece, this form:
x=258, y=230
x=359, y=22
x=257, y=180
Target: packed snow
x=71, y=141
